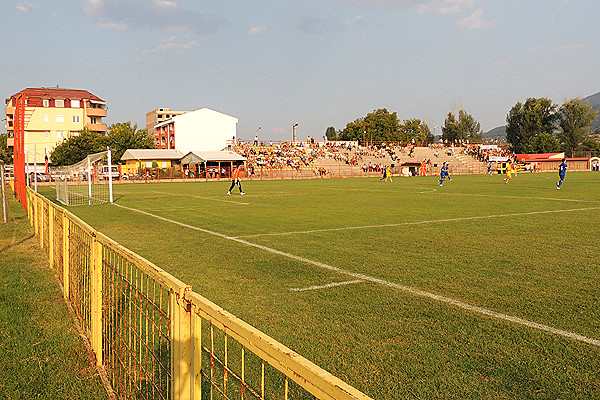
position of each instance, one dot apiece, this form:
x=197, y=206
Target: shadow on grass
x=10, y=246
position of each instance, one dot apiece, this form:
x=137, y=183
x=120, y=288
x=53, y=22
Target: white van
x=103, y=172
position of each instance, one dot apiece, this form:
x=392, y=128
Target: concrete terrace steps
x=459, y=163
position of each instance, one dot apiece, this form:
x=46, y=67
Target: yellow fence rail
x=154, y=337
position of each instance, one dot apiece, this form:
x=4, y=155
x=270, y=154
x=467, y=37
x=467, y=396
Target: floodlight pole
x=110, y=188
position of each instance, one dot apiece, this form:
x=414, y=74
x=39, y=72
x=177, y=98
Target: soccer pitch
x=471, y=290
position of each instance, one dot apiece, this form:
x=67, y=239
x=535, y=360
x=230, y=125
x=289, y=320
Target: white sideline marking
x=204, y=198
x=327, y=286
x=514, y=197
x=408, y=289
x=435, y=191
x=431, y=221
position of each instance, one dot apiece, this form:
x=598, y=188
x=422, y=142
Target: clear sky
x=272, y=63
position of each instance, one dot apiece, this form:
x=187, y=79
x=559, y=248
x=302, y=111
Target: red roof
x=540, y=157
x=60, y=93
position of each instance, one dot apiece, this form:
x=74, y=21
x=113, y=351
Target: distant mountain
x=498, y=133
x=594, y=101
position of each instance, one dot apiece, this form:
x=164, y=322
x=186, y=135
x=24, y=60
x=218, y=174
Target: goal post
x=88, y=182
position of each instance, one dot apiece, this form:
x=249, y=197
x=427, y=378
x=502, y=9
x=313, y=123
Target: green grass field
x=369, y=259
x=41, y=354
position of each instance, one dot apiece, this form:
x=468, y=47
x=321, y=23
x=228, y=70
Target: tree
x=331, y=133
x=5, y=154
x=545, y=143
x=450, y=131
x=468, y=127
x=78, y=147
x=415, y=129
x=123, y=136
x=574, y=120
x=463, y=129
x=531, y=125
x=379, y=125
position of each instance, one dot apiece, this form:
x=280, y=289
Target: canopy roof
x=151, y=154
x=197, y=157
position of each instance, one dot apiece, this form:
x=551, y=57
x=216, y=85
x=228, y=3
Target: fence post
x=39, y=206
x=96, y=298
x=34, y=215
x=182, y=350
x=29, y=209
x=197, y=351
x=51, y=235
x=65, y=254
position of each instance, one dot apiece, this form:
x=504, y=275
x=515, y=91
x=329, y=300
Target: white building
x=202, y=129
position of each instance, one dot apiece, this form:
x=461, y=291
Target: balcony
x=95, y=112
x=10, y=142
x=96, y=127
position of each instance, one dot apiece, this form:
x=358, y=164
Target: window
x=59, y=103
x=45, y=103
x=46, y=118
x=59, y=134
x=60, y=118
x=26, y=135
x=76, y=118
x=75, y=104
x=47, y=134
x=93, y=120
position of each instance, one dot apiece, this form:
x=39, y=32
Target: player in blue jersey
x=562, y=171
x=444, y=174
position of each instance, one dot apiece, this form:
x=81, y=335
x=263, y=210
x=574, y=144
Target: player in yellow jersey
x=389, y=174
x=509, y=171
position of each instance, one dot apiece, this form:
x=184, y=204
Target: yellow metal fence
x=154, y=337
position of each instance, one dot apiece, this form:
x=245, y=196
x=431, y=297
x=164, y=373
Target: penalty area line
x=203, y=198
x=327, y=286
x=430, y=221
x=407, y=289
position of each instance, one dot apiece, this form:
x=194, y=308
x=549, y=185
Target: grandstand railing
x=154, y=337
x=176, y=174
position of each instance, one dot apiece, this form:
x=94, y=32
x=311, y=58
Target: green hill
x=498, y=133
x=594, y=101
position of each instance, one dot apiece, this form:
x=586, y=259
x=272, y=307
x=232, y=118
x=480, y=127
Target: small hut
x=211, y=164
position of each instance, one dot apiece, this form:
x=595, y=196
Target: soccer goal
x=88, y=182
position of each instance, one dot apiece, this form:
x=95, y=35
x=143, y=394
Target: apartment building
x=157, y=116
x=203, y=129
x=52, y=115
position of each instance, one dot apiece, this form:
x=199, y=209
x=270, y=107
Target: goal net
x=88, y=182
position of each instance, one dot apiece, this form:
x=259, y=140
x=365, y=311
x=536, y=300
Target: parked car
x=40, y=176
x=103, y=172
